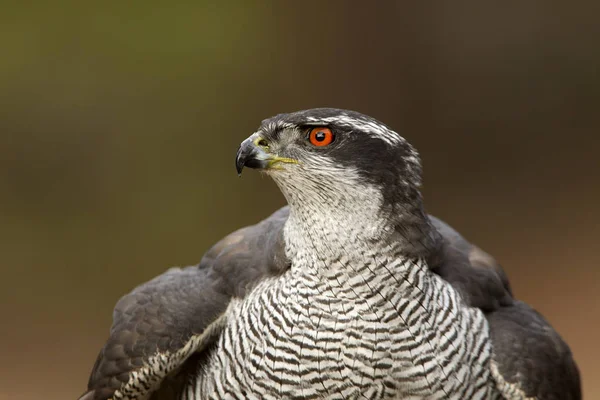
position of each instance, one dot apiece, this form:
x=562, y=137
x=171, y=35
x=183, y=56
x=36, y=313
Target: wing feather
x=164, y=321
x=530, y=359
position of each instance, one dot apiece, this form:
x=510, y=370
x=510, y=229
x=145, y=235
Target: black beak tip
x=239, y=168
x=240, y=161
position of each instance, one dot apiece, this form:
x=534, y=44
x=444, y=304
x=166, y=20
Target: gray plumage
x=352, y=291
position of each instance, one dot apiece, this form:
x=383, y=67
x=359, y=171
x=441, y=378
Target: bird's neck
x=346, y=245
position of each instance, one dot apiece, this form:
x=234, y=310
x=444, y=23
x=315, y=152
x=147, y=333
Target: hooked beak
x=254, y=153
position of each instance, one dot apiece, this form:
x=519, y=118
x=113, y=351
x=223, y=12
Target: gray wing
x=474, y=273
x=530, y=359
x=163, y=328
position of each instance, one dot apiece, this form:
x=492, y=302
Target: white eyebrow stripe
x=370, y=127
x=272, y=126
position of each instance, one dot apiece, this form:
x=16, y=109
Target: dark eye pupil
x=320, y=136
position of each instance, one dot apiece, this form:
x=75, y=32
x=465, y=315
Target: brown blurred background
x=119, y=124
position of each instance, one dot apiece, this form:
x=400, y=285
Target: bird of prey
x=351, y=291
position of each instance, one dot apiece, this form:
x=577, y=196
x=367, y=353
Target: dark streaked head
x=338, y=162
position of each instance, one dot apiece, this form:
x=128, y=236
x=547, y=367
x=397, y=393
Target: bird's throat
x=345, y=251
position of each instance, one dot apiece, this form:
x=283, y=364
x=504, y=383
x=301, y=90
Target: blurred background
x=119, y=123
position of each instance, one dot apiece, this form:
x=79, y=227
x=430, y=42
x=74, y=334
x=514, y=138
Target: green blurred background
x=120, y=121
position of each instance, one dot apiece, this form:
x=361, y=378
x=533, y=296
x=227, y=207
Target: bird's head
x=338, y=166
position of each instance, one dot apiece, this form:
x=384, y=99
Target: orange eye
x=320, y=137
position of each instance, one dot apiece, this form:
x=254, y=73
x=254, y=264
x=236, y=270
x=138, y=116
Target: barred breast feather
x=395, y=331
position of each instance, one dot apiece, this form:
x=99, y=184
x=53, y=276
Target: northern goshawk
x=352, y=291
